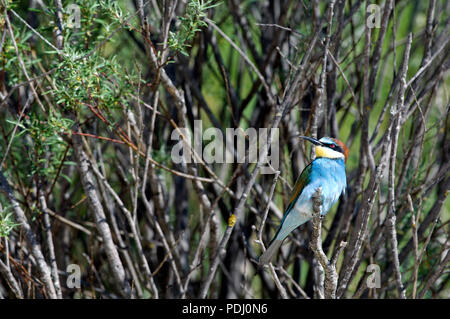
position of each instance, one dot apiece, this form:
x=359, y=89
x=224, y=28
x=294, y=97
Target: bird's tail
x=270, y=252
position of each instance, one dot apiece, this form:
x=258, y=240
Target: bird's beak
x=312, y=140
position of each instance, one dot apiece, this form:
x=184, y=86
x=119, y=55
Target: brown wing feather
x=302, y=180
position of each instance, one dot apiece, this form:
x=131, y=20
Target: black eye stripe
x=334, y=147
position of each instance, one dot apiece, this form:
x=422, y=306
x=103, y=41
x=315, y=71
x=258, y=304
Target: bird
x=327, y=171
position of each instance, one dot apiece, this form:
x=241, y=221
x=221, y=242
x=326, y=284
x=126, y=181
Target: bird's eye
x=332, y=145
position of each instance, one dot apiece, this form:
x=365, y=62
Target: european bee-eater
x=327, y=170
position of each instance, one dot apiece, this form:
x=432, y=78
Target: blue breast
x=330, y=175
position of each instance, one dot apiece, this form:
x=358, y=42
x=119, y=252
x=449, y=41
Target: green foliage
x=83, y=78
x=7, y=223
x=98, y=19
x=45, y=138
x=190, y=24
x=8, y=57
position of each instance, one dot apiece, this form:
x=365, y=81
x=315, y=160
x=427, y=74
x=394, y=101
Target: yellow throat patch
x=327, y=152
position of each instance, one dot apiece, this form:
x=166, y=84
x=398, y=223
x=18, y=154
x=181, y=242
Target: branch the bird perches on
x=329, y=266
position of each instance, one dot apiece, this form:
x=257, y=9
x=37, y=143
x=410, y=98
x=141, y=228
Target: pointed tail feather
x=270, y=252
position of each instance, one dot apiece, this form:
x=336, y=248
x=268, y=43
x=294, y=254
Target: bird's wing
x=300, y=184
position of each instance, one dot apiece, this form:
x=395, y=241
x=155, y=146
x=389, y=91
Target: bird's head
x=329, y=147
